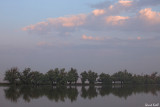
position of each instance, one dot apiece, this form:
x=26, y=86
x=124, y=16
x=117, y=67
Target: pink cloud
x=116, y=20
x=111, y=7
x=125, y=2
x=109, y=18
x=31, y=27
x=39, y=26
x=150, y=16
x=85, y=37
x=75, y=20
x=61, y=22
x=134, y=38
x=139, y=38
x=98, y=12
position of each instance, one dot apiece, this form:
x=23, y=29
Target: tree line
x=61, y=77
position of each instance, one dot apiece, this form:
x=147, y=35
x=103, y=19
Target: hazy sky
x=101, y=35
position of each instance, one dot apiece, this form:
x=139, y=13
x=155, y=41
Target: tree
x=138, y=79
x=62, y=77
x=153, y=75
x=72, y=76
x=84, y=76
x=158, y=79
x=51, y=76
x=56, y=74
x=104, y=78
x=11, y=75
x=36, y=77
x=122, y=76
x=25, y=76
x=92, y=76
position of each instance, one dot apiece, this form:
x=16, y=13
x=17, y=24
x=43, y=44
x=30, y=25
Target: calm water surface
x=98, y=96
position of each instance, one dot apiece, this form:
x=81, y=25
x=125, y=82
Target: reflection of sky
x=80, y=34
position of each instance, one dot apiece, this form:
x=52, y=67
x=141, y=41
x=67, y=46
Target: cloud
x=98, y=12
x=150, y=16
x=72, y=21
x=125, y=2
x=116, y=20
x=87, y=37
x=134, y=3
x=57, y=25
x=84, y=37
x=139, y=38
x=117, y=16
x=95, y=38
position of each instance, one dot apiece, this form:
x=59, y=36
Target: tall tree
x=122, y=76
x=25, y=76
x=153, y=75
x=11, y=75
x=36, y=77
x=158, y=79
x=84, y=76
x=51, y=76
x=92, y=76
x=72, y=76
x=62, y=77
x=104, y=78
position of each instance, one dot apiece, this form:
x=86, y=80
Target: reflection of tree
x=89, y=93
x=146, y=89
x=105, y=90
x=62, y=93
x=72, y=93
x=84, y=92
x=25, y=91
x=28, y=92
x=128, y=90
x=92, y=92
x=52, y=93
x=12, y=93
x=122, y=92
x=56, y=93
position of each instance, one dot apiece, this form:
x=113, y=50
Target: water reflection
x=62, y=93
x=89, y=93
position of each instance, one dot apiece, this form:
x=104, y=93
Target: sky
x=99, y=35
